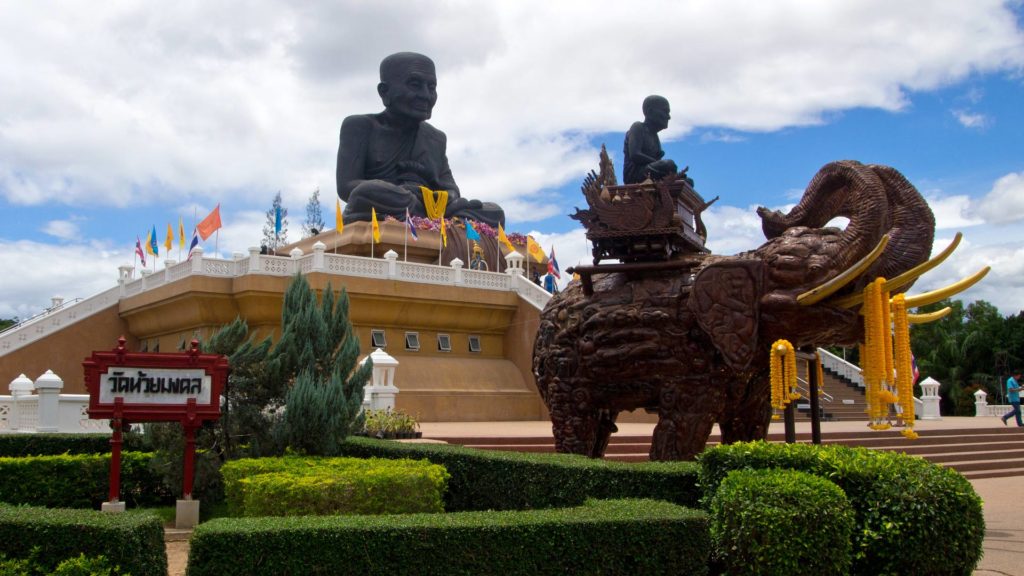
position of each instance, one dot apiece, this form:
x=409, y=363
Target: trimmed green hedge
x=13, y=445
x=132, y=540
x=904, y=506
x=781, y=523
x=79, y=480
x=500, y=480
x=635, y=537
x=294, y=486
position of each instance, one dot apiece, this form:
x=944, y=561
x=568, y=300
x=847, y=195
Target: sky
x=116, y=117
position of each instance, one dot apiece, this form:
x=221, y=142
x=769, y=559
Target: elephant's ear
x=725, y=301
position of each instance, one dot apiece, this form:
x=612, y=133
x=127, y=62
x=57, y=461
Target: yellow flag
x=504, y=239
x=181, y=233
x=533, y=249
x=151, y=242
x=169, y=240
x=339, y=224
x=444, y=236
x=375, y=225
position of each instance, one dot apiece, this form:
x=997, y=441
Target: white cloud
x=971, y=119
x=952, y=212
x=63, y=229
x=200, y=100
x=1005, y=202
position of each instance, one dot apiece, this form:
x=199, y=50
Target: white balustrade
x=47, y=410
x=840, y=366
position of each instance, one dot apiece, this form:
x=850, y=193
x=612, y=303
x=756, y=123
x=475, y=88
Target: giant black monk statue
x=642, y=153
x=385, y=158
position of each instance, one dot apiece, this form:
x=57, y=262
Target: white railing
x=255, y=263
x=841, y=367
x=40, y=407
x=46, y=324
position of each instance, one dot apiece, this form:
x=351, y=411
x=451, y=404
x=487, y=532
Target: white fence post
x=930, y=399
x=392, y=257
x=197, y=260
x=457, y=266
x=21, y=387
x=980, y=405
x=318, y=255
x=48, y=387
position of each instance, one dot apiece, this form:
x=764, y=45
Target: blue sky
x=122, y=117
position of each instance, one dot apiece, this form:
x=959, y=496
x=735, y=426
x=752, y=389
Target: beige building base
x=186, y=514
x=112, y=507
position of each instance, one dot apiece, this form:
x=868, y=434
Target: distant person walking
x=1013, y=395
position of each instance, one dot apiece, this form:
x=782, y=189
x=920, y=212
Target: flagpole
x=216, y=243
x=405, y=247
x=440, y=241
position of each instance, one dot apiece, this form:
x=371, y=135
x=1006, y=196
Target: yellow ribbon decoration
x=782, y=375
x=434, y=208
x=904, y=364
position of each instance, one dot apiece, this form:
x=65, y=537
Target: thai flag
x=140, y=251
x=913, y=364
x=195, y=242
x=553, y=265
x=410, y=226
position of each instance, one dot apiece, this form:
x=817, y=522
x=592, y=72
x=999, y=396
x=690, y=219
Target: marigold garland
x=821, y=373
x=874, y=353
x=782, y=375
x=434, y=208
x=904, y=364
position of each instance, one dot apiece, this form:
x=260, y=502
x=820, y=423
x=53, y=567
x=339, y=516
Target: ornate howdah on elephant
x=688, y=337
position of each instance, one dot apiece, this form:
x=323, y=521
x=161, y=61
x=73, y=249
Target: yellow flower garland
x=821, y=374
x=782, y=375
x=904, y=364
x=874, y=357
x=434, y=209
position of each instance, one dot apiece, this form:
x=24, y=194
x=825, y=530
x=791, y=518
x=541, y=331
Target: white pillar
x=392, y=258
x=930, y=399
x=197, y=260
x=20, y=387
x=168, y=264
x=296, y=253
x=980, y=405
x=380, y=394
x=514, y=264
x=254, y=259
x=56, y=302
x=48, y=387
x=318, y=255
x=124, y=275
x=457, y=265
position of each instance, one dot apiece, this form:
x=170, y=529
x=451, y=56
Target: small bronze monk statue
x=642, y=153
x=384, y=159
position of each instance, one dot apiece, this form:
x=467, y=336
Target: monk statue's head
x=408, y=86
x=656, y=112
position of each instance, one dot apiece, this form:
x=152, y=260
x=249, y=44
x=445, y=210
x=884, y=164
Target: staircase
x=842, y=399
x=976, y=453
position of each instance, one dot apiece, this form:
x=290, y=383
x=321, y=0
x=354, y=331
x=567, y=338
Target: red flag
x=210, y=224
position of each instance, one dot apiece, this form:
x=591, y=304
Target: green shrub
x=902, y=504
x=499, y=480
x=781, y=522
x=634, y=537
x=13, y=445
x=133, y=541
x=78, y=481
x=293, y=486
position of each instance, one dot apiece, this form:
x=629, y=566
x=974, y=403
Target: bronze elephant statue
x=691, y=344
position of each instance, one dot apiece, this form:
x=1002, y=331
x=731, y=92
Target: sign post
x=152, y=387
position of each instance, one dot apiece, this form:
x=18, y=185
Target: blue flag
x=471, y=233
x=277, y=220
x=152, y=242
x=411, y=226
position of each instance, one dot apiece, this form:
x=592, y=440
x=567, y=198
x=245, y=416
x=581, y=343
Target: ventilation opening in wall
x=444, y=343
x=412, y=341
x=377, y=339
x=474, y=344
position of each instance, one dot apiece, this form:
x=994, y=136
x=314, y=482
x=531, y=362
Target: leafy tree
x=6, y=323
x=314, y=216
x=270, y=239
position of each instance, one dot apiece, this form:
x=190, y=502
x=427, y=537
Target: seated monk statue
x=642, y=153
x=385, y=158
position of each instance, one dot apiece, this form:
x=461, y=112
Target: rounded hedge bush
x=784, y=522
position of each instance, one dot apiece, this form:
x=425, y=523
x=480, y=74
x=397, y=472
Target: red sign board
x=153, y=387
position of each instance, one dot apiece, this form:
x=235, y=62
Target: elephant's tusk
x=929, y=316
x=954, y=288
x=815, y=295
x=902, y=280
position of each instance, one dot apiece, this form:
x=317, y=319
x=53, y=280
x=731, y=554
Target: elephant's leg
x=748, y=412
x=605, y=427
x=574, y=421
x=686, y=414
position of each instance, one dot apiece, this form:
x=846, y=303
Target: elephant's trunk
x=877, y=200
